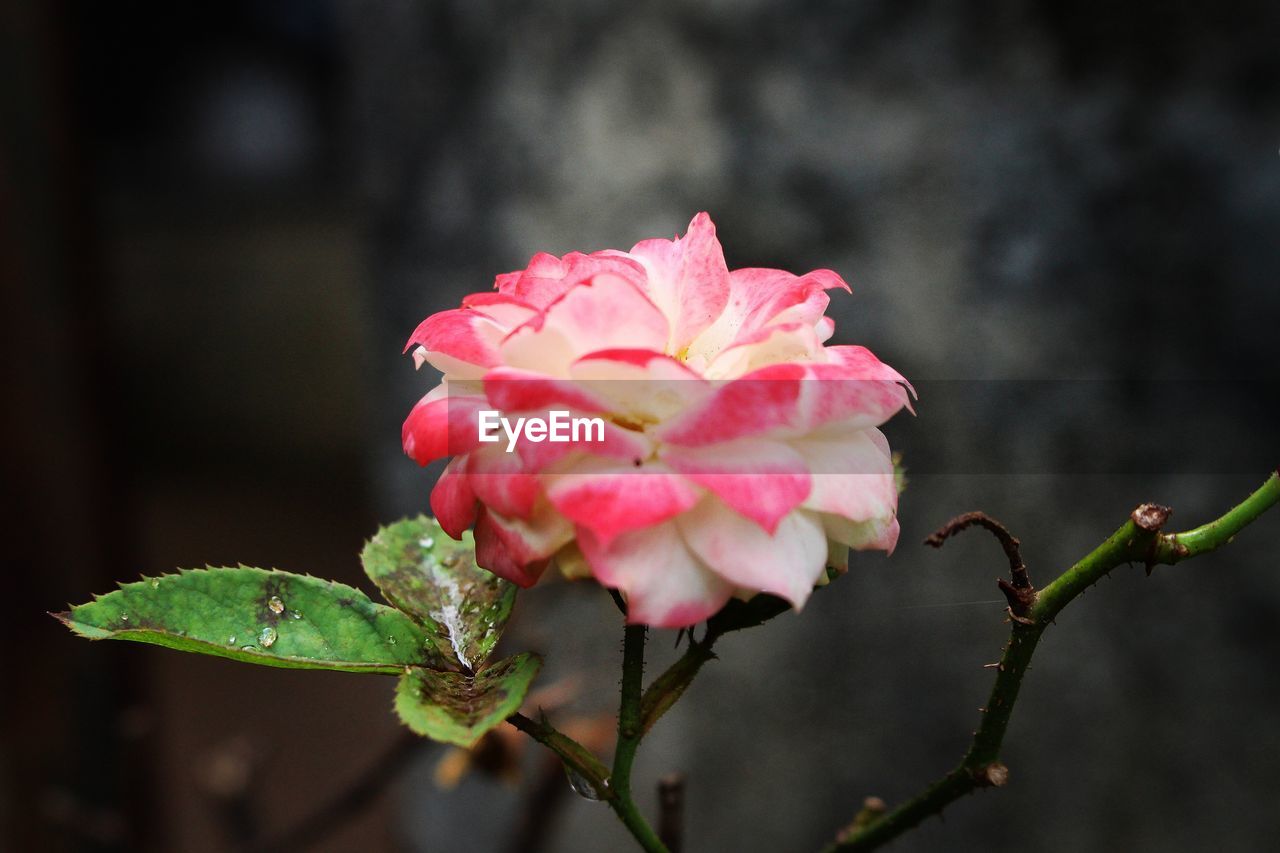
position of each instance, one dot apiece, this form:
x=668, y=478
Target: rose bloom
x=740, y=454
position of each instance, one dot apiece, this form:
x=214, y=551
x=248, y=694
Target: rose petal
x=640, y=385
x=852, y=473
x=610, y=499
x=607, y=311
x=761, y=480
x=863, y=364
x=687, y=279
x=787, y=342
x=519, y=550
x=787, y=563
x=458, y=342
x=441, y=425
x=880, y=534
x=664, y=583
x=500, y=481
x=506, y=311
x=785, y=401
x=511, y=390
x=763, y=297
x=453, y=503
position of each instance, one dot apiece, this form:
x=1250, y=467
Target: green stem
x=573, y=754
x=613, y=787
x=1208, y=537
x=1138, y=540
x=630, y=731
x=734, y=616
x=670, y=686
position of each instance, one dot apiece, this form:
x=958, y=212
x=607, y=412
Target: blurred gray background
x=219, y=225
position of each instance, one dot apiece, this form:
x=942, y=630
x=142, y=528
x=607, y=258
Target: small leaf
x=265, y=617
x=435, y=579
x=899, y=473
x=456, y=708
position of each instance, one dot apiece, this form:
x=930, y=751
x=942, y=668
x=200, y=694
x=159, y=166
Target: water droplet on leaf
x=391, y=641
x=124, y=617
x=268, y=637
x=231, y=641
x=155, y=584
x=275, y=605
x=295, y=614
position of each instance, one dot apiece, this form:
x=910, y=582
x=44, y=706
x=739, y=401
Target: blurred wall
x=219, y=225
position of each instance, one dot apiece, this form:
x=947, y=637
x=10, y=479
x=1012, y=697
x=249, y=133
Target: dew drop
x=295, y=614
x=124, y=617
x=391, y=641
x=231, y=641
x=268, y=637
x=275, y=605
x=248, y=648
x=581, y=785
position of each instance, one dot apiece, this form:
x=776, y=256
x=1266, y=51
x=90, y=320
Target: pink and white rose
x=740, y=453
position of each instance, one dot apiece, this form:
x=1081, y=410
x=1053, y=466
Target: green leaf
x=265, y=617
x=436, y=580
x=456, y=708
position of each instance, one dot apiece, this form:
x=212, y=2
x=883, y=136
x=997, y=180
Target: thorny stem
x=612, y=786
x=630, y=731
x=574, y=755
x=670, y=686
x=1138, y=540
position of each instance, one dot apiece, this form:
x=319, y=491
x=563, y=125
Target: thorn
x=872, y=809
x=993, y=775
x=1020, y=598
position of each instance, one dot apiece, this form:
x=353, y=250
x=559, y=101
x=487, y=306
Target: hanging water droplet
x=427, y=542
x=275, y=605
x=268, y=637
x=581, y=785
